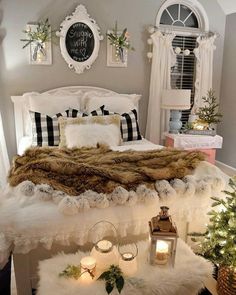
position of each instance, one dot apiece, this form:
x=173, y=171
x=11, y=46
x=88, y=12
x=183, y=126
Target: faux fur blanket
x=75, y=171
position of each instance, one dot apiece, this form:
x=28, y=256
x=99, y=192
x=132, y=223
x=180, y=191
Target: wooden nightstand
x=204, y=143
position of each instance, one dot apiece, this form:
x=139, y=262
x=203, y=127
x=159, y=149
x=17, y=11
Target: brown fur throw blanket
x=74, y=171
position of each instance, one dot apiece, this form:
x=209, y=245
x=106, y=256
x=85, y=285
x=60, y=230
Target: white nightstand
x=204, y=143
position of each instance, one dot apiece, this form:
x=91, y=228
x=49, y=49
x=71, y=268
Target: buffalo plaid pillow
x=45, y=129
x=129, y=125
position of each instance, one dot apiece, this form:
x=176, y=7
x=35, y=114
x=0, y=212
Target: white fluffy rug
x=185, y=279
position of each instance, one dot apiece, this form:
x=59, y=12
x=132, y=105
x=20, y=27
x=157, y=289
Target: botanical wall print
x=38, y=40
x=118, y=45
x=79, y=40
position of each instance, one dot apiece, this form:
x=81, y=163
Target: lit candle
x=105, y=254
x=88, y=262
x=88, y=266
x=162, y=251
x=128, y=264
x=104, y=246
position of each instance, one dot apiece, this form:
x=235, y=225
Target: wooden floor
x=211, y=286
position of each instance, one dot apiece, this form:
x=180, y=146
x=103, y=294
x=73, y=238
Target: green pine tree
x=209, y=112
x=219, y=240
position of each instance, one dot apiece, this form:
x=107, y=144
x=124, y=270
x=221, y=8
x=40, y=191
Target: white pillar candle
x=128, y=264
x=85, y=278
x=162, y=251
x=88, y=264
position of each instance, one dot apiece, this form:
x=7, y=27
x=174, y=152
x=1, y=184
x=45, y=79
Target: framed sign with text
x=79, y=40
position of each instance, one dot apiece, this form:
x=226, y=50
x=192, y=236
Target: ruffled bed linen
x=26, y=223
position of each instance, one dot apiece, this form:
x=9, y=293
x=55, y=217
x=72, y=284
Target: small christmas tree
x=219, y=243
x=209, y=112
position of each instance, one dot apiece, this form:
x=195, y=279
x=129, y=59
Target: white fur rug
x=185, y=279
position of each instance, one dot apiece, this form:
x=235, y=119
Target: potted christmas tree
x=209, y=112
x=205, y=117
x=219, y=240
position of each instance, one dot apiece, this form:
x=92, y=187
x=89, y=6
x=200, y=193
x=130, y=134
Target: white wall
x=228, y=6
x=18, y=77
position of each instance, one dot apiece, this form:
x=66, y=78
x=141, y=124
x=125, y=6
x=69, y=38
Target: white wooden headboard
x=20, y=104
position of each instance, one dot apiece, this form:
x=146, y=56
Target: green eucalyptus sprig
x=113, y=277
x=73, y=271
x=42, y=33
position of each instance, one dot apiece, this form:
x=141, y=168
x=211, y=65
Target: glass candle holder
x=104, y=237
x=128, y=259
x=105, y=254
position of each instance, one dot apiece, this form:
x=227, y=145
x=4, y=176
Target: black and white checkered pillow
x=45, y=129
x=129, y=125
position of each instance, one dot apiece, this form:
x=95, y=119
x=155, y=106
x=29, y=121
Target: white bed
x=40, y=230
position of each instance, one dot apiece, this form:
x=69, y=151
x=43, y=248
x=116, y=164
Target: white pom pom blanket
x=31, y=215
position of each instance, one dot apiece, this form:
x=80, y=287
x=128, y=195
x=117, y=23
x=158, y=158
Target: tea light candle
x=87, y=263
x=162, y=251
x=128, y=264
x=104, y=246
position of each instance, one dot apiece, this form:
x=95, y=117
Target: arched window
x=188, y=19
x=179, y=15
x=188, y=14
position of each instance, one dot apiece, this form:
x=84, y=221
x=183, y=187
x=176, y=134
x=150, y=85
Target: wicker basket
x=226, y=282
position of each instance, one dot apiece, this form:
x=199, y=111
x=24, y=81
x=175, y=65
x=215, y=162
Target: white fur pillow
x=89, y=131
x=91, y=135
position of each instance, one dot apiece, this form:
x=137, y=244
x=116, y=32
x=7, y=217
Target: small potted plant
x=219, y=240
x=209, y=114
x=121, y=42
x=204, y=119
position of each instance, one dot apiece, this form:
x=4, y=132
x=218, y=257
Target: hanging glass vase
x=119, y=53
x=39, y=51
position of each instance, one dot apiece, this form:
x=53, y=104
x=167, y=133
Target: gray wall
x=18, y=77
x=228, y=95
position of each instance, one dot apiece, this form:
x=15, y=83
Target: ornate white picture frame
x=39, y=57
x=80, y=38
x=112, y=59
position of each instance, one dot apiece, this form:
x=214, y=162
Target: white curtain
x=162, y=61
x=204, y=68
x=4, y=160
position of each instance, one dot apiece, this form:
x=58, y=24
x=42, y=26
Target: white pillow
x=52, y=104
x=117, y=103
x=90, y=135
